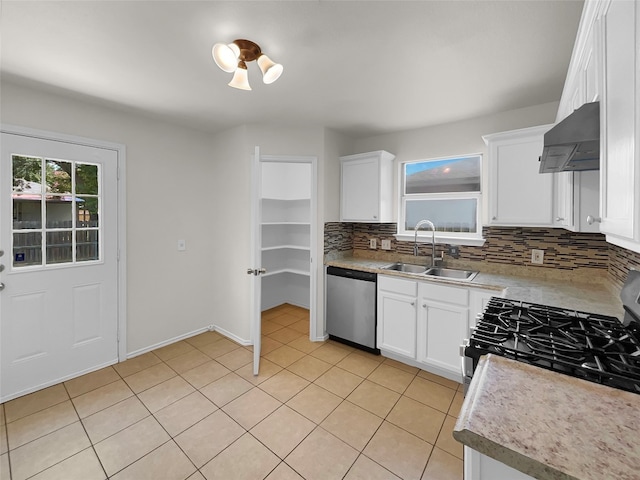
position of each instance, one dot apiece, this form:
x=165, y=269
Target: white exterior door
x=59, y=236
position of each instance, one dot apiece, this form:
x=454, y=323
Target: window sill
x=422, y=238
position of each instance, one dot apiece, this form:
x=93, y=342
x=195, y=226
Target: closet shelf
x=286, y=270
x=284, y=247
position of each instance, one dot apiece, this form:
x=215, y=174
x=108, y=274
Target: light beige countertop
x=566, y=291
x=549, y=425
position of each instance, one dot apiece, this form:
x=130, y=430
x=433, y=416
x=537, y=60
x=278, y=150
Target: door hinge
x=118, y=255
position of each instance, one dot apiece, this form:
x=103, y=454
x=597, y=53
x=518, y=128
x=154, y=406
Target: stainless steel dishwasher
x=351, y=307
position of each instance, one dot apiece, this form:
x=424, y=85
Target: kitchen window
x=447, y=191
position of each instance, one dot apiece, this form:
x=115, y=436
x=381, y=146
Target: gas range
x=594, y=347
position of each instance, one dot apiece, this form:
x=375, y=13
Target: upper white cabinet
x=366, y=187
x=518, y=194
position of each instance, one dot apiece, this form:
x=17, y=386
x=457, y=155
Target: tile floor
x=193, y=410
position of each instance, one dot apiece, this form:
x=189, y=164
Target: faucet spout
x=433, y=240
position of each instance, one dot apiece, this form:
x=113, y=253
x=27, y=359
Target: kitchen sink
x=406, y=268
x=451, y=273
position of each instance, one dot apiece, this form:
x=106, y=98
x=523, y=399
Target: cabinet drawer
x=398, y=285
x=446, y=294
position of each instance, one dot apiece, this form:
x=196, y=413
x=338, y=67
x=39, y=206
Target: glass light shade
x=226, y=56
x=240, y=79
x=271, y=71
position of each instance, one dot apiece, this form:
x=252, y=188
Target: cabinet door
x=618, y=163
x=397, y=323
x=478, y=299
x=360, y=195
x=442, y=329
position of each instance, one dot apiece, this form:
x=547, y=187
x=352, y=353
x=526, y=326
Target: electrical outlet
x=373, y=243
x=537, y=256
x=386, y=244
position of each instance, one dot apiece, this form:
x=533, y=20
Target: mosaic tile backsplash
x=563, y=249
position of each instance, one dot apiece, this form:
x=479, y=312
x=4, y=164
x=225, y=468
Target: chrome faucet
x=433, y=240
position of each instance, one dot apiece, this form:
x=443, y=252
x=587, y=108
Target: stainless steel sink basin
x=406, y=268
x=451, y=273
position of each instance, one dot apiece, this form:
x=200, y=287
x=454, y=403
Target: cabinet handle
x=559, y=219
x=493, y=218
x=424, y=305
x=591, y=219
x=375, y=216
x=413, y=304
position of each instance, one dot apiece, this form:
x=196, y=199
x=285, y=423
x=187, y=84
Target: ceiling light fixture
x=234, y=57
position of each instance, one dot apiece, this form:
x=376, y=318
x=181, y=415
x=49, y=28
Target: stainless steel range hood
x=574, y=143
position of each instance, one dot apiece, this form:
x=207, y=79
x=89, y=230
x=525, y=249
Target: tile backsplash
x=563, y=250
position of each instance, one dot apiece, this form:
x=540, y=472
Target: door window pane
x=59, y=211
x=86, y=179
x=27, y=212
x=59, y=247
x=58, y=176
x=87, y=246
x=448, y=215
x=87, y=212
x=27, y=249
x=443, y=176
x=27, y=174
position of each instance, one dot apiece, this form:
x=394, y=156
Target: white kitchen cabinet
x=443, y=323
x=396, y=331
x=366, y=187
x=518, y=194
x=478, y=299
x=619, y=110
x=482, y=467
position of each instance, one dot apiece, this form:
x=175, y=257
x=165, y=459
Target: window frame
x=456, y=238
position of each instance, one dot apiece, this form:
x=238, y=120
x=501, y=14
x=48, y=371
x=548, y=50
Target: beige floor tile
x=284, y=356
x=196, y=476
x=209, y=437
x=268, y=327
x=285, y=335
x=321, y=456
x=374, y=398
x=446, y=441
x=268, y=345
x=235, y=359
x=419, y=419
x=5, y=472
x=204, y=339
x=330, y=353
x=226, y=389
x=205, y=374
x=130, y=444
x=111, y=420
x=401, y=366
x=41, y=423
x=315, y=403
x=352, y=424
x=137, y=364
x=251, y=408
x=443, y=466
x=173, y=350
x=91, y=381
x=267, y=370
x=187, y=361
x=101, y=398
x=438, y=379
x=301, y=326
x=284, y=385
x=430, y=393
x=285, y=319
x=358, y=364
x=456, y=404
x=283, y=430
x=216, y=349
x=391, y=377
x=283, y=472
x=152, y=376
x=184, y=413
x=4, y=444
x=47, y=451
x=398, y=451
x=165, y=394
x=2, y=417
x=166, y=462
x=367, y=469
x=272, y=312
x=81, y=466
x=34, y=402
x=309, y=368
x=304, y=344
x=245, y=459
x=339, y=381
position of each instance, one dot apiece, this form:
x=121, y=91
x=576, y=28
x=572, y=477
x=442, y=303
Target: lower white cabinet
x=423, y=323
x=481, y=467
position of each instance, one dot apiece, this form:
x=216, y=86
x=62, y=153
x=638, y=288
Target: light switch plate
x=373, y=243
x=182, y=245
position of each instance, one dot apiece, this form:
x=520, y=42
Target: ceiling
x=359, y=67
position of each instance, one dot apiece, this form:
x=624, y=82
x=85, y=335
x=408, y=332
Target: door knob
x=559, y=219
x=591, y=219
x=249, y=271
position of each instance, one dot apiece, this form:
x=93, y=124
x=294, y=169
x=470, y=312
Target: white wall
x=168, y=198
